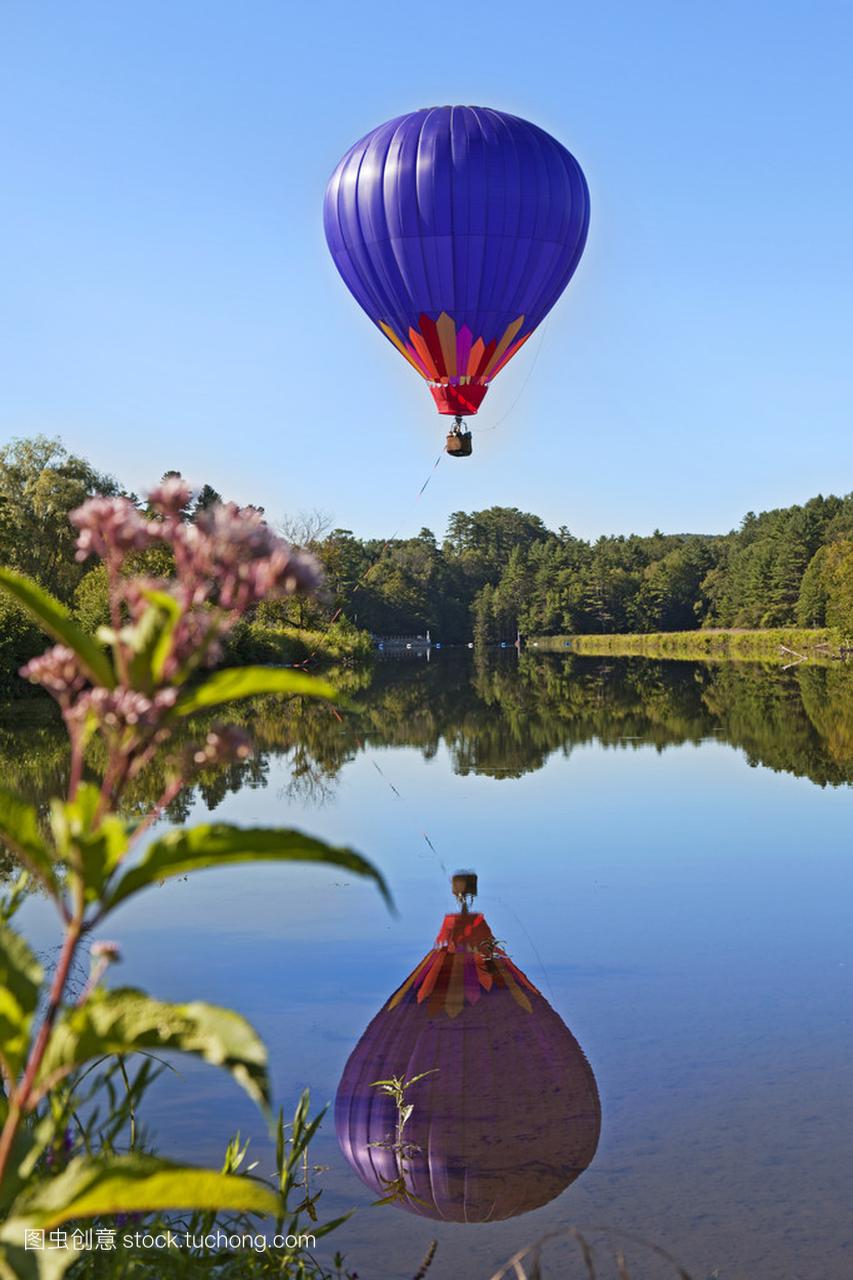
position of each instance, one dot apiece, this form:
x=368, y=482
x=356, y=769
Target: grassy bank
x=341, y=642
x=340, y=645
x=765, y=646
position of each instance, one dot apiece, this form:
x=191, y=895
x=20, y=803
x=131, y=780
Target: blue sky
x=167, y=299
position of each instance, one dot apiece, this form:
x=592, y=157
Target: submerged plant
x=124, y=693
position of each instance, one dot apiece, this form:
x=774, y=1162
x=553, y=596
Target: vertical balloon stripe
x=507, y=338
x=438, y=995
x=413, y=359
x=463, y=349
x=424, y=353
x=518, y=975
x=475, y=357
x=484, y=359
x=446, y=329
x=370, y=288
x=507, y=356
x=431, y=976
x=507, y=233
x=455, y=1001
x=484, y=974
x=516, y=991
x=416, y=361
x=473, y=990
x=430, y=337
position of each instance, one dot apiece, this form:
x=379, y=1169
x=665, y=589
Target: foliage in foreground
x=123, y=692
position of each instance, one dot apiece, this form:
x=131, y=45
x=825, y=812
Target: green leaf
x=28, y=1146
x=12, y=901
x=18, y=1263
x=148, y=640
x=247, y=682
x=53, y=617
x=170, y=612
x=20, y=983
x=318, y=1232
x=19, y=829
x=125, y=1020
x=220, y=845
x=94, y=851
x=132, y=1184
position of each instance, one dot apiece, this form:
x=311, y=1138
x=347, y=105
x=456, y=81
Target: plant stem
x=113, y=578
x=115, y=776
x=130, y=1104
x=170, y=793
x=76, y=771
x=18, y=1100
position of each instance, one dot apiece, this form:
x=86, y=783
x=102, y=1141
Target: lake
x=663, y=848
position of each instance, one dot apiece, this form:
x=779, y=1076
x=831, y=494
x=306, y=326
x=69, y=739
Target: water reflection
x=503, y=717
x=467, y=1098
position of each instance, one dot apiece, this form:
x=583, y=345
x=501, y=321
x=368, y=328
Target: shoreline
x=780, y=645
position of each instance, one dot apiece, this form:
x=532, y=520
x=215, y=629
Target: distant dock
x=403, y=644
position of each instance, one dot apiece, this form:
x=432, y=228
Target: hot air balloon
x=467, y=1098
x=456, y=229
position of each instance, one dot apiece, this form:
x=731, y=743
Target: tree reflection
x=502, y=716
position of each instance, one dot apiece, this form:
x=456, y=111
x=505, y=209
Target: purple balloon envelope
x=456, y=229
x=504, y=1107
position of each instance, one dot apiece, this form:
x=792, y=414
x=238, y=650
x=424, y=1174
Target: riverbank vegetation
x=775, y=644
x=494, y=571
x=500, y=570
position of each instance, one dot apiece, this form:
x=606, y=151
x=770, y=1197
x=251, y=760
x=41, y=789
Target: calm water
x=665, y=849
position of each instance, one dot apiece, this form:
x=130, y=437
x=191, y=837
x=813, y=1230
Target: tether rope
x=362, y=579
x=481, y=430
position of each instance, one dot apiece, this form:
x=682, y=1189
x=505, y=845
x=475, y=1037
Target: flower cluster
x=227, y=745
x=58, y=671
x=170, y=498
x=119, y=709
x=227, y=554
x=226, y=560
x=110, y=528
x=230, y=556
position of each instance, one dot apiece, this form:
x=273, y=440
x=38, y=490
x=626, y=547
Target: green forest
x=493, y=572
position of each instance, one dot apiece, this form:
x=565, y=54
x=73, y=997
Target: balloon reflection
x=468, y=1098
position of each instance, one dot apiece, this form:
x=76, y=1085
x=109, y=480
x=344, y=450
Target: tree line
x=501, y=570
x=494, y=571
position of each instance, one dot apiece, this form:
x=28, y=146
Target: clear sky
x=167, y=299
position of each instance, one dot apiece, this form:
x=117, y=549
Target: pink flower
x=120, y=709
x=170, y=497
x=57, y=671
x=110, y=528
x=231, y=555
x=109, y=951
x=223, y=746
